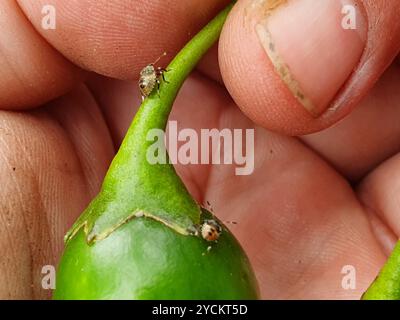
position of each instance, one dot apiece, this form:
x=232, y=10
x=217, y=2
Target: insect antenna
x=230, y=222
x=159, y=58
x=210, y=208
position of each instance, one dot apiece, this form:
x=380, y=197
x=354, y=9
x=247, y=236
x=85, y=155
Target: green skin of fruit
x=386, y=286
x=136, y=239
x=145, y=259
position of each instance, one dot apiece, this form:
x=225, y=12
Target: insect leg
x=158, y=87
x=160, y=72
x=164, y=78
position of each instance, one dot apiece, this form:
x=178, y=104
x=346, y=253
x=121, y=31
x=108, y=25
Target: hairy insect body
x=150, y=78
x=210, y=230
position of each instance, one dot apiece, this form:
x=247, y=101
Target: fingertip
x=251, y=79
x=294, y=68
x=32, y=72
x=117, y=38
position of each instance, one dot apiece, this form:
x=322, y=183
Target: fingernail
x=313, y=45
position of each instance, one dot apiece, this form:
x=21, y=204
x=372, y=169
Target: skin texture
x=314, y=204
x=273, y=105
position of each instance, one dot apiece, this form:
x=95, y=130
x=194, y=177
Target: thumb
x=299, y=66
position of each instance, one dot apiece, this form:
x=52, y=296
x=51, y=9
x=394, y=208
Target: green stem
x=132, y=185
x=387, y=285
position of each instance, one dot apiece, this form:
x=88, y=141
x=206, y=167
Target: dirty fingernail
x=313, y=45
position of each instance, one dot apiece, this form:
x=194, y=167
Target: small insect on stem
x=150, y=77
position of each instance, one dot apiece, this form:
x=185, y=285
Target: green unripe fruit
x=141, y=238
x=146, y=260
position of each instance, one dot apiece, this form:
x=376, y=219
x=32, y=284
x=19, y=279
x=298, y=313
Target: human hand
x=313, y=204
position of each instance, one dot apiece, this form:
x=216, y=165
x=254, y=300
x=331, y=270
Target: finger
x=380, y=192
x=292, y=67
x=45, y=185
x=369, y=135
x=118, y=38
x=299, y=221
x=82, y=120
x=209, y=66
x=32, y=72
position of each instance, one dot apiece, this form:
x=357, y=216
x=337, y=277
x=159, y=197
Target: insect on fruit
x=210, y=230
x=150, y=77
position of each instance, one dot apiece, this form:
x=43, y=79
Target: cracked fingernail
x=313, y=45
